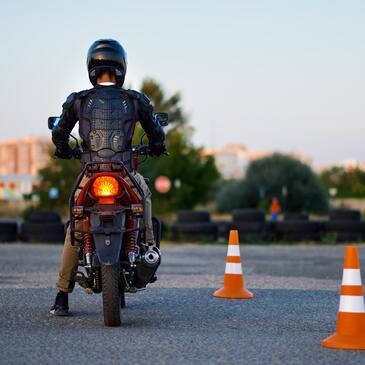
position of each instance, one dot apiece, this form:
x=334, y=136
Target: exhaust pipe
x=151, y=257
x=147, y=267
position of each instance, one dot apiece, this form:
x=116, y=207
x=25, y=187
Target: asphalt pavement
x=177, y=321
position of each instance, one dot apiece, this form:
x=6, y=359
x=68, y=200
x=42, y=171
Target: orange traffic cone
x=350, y=330
x=233, y=278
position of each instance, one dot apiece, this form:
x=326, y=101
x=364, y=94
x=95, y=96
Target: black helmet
x=107, y=55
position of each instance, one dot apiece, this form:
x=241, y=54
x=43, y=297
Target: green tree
x=294, y=183
x=232, y=195
x=161, y=103
x=349, y=183
x=59, y=174
x=193, y=175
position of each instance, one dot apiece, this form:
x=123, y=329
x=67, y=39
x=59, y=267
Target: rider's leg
x=150, y=239
x=65, y=282
x=70, y=258
x=69, y=264
x=68, y=268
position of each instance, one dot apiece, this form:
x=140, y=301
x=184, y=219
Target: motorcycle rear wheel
x=122, y=299
x=110, y=275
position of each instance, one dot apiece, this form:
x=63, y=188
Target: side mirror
x=162, y=119
x=53, y=122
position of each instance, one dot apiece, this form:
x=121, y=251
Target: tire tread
x=110, y=275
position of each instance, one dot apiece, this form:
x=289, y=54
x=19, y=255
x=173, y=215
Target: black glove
x=76, y=153
x=64, y=154
x=157, y=149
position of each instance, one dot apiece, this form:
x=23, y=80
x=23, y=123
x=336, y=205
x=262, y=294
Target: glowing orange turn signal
x=105, y=186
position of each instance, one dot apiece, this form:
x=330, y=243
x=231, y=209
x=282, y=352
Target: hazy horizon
x=272, y=75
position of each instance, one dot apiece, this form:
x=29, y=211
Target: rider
x=107, y=115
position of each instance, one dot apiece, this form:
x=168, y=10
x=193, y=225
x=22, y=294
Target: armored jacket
x=107, y=117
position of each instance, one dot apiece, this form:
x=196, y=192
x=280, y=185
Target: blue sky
x=273, y=75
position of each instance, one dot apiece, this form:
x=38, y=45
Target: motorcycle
x=107, y=223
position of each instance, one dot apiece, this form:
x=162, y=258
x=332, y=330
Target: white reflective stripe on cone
x=233, y=250
x=233, y=268
x=352, y=304
x=351, y=277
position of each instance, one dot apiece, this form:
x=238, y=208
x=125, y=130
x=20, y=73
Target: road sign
x=162, y=184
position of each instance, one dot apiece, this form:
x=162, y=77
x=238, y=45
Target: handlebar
x=144, y=150
x=76, y=153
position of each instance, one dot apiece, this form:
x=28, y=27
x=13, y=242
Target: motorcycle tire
x=110, y=278
x=122, y=299
x=297, y=230
x=8, y=231
x=252, y=231
x=157, y=229
x=296, y=217
x=195, y=231
x=191, y=216
x=44, y=216
x=344, y=215
x=42, y=232
x=248, y=215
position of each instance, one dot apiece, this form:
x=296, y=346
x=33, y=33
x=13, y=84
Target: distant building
x=352, y=164
x=20, y=160
x=232, y=159
x=13, y=187
x=347, y=165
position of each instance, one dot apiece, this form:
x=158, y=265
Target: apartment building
x=20, y=160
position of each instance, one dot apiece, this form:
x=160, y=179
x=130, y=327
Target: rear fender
x=108, y=243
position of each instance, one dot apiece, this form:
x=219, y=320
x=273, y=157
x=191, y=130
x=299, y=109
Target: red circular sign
x=162, y=184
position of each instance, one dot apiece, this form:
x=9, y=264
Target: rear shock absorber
x=88, y=243
x=131, y=247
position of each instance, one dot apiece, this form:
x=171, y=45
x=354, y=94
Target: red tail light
x=106, y=188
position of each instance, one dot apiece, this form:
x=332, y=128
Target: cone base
x=233, y=293
x=344, y=342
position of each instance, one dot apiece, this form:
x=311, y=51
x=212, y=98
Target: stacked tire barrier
x=346, y=225
x=43, y=227
x=251, y=225
x=8, y=231
x=194, y=225
x=223, y=229
x=343, y=225
x=297, y=227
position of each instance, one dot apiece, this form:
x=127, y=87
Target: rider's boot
x=60, y=306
